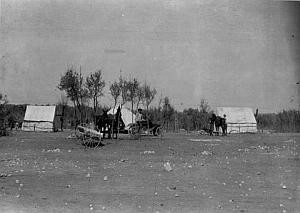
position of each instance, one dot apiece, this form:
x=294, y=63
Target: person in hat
x=139, y=118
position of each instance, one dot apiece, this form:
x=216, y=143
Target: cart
x=89, y=137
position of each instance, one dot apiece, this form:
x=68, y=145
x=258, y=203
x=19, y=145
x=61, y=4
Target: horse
x=110, y=124
x=224, y=126
x=211, y=124
x=103, y=123
x=220, y=122
x=117, y=123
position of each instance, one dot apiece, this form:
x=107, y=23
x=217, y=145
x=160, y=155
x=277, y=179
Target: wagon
x=88, y=136
x=144, y=128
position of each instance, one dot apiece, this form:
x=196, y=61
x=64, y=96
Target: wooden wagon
x=90, y=137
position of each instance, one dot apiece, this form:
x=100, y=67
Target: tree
x=73, y=84
x=115, y=92
x=204, y=107
x=132, y=91
x=69, y=83
x=3, y=102
x=63, y=102
x=167, y=111
x=83, y=96
x=95, y=85
x=3, y=114
x=140, y=96
x=3, y=99
x=149, y=95
x=123, y=84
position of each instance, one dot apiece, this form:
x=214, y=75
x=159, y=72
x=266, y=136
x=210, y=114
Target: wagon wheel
x=134, y=132
x=233, y=131
x=89, y=142
x=158, y=131
x=97, y=142
x=80, y=137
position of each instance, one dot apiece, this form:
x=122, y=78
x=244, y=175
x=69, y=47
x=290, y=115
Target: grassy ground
x=46, y=172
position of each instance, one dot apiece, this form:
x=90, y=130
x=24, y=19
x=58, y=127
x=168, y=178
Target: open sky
x=231, y=53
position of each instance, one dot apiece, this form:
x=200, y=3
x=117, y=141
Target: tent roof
x=125, y=114
x=237, y=114
x=40, y=113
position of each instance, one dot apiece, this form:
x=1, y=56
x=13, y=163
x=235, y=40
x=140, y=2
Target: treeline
x=80, y=91
x=196, y=119
x=189, y=119
x=10, y=115
x=165, y=114
x=285, y=121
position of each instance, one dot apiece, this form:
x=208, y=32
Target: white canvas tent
x=239, y=119
x=39, y=118
x=126, y=115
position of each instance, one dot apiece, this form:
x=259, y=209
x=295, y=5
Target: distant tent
x=126, y=115
x=39, y=118
x=239, y=119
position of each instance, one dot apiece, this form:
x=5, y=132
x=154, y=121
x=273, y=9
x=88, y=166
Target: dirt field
x=46, y=172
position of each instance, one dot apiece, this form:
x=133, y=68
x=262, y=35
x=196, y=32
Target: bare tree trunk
x=132, y=111
x=148, y=119
x=95, y=109
x=118, y=123
x=62, y=117
x=113, y=122
x=75, y=113
x=80, y=110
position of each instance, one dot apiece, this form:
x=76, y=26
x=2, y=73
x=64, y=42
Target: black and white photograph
x=156, y=106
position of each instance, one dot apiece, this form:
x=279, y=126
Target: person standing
x=224, y=125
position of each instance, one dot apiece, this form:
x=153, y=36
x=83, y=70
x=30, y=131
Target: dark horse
x=211, y=124
x=218, y=121
x=110, y=124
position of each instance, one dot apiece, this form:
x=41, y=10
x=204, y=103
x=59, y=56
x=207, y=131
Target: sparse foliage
x=132, y=91
x=123, y=84
x=115, y=92
x=140, y=97
x=167, y=112
x=3, y=102
x=63, y=102
x=73, y=84
x=149, y=95
x=95, y=85
x=3, y=114
x=3, y=99
x=204, y=107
